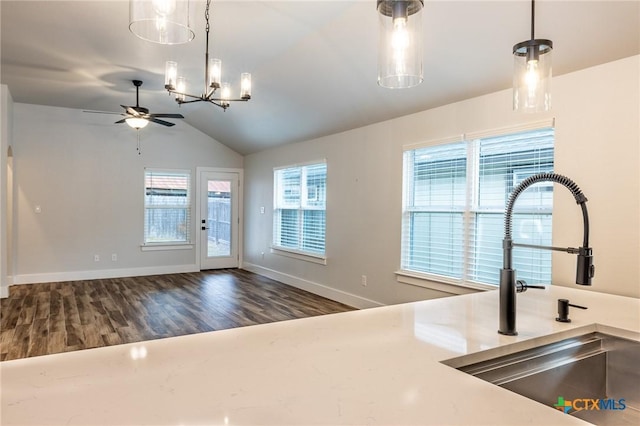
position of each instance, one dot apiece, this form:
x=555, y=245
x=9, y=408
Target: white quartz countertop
x=374, y=366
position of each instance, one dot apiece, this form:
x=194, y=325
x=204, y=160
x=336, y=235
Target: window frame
x=472, y=209
x=169, y=244
x=301, y=206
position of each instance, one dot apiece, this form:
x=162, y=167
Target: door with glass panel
x=218, y=224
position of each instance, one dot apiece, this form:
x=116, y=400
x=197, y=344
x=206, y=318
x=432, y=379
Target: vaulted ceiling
x=313, y=63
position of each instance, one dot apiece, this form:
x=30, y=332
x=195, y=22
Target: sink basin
x=595, y=377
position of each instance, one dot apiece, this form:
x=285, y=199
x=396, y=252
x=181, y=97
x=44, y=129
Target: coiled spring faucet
x=508, y=286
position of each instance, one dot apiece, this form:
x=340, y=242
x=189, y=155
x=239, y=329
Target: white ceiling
x=313, y=63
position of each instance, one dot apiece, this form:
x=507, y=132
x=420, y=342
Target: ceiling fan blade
x=130, y=110
x=164, y=123
x=120, y=121
x=167, y=115
x=101, y=112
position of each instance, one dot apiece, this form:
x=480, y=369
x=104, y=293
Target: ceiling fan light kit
x=137, y=122
x=138, y=117
x=161, y=21
x=176, y=84
x=400, y=43
x=532, y=72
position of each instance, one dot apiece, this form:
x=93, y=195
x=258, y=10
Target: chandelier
x=213, y=72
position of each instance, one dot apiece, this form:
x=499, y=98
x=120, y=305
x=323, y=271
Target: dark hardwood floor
x=48, y=318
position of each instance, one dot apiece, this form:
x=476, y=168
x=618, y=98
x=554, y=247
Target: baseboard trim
x=4, y=292
x=53, y=277
x=312, y=287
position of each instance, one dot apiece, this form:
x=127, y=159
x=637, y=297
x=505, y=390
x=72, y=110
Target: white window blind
x=433, y=219
x=167, y=207
x=453, y=207
x=299, y=208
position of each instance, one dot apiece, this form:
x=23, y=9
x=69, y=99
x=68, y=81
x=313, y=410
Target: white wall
x=597, y=145
x=86, y=176
x=6, y=132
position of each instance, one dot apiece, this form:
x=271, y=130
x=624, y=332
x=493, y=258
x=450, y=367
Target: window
x=453, y=207
x=300, y=194
x=167, y=207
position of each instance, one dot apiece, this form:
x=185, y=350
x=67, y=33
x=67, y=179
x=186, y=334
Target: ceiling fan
x=138, y=117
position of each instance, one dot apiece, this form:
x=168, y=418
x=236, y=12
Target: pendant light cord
x=533, y=18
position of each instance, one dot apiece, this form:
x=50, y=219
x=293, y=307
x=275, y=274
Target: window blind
x=435, y=199
x=453, y=207
x=300, y=208
x=503, y=163
x=167, y=206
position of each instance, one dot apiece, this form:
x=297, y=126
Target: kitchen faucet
x=508, y=285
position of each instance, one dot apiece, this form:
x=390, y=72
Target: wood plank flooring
x=40, y=319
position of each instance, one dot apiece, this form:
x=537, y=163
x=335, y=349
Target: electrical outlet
x=363, y=280
x=96, y=258
x=114, y=257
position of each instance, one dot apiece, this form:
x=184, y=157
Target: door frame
x=199, y=182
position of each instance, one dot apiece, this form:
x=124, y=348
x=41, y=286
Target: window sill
x=307, y=257
x=160, y=247
x=440, y=283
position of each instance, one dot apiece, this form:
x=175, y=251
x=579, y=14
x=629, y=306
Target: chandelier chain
x=206, y=17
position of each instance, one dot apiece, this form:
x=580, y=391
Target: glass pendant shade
x=400, y=43
x=532, y=76
x=161, y=21
x=137, y=123
x=532, y=72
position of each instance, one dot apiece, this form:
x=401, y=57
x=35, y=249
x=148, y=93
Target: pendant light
x=400, y=43
x=532, y=72
x=161, y=21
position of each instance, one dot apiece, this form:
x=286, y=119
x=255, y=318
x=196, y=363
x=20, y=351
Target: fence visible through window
x=167, y=203
x=219, y=218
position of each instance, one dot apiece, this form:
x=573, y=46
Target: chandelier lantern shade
x=171, y=74
x=245, y=85
x=215, y=73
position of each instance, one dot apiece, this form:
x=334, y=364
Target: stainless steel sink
x=595, y=377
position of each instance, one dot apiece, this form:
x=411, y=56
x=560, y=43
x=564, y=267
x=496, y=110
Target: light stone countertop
x=374, y=366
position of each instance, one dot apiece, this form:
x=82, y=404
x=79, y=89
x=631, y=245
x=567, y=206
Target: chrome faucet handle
x=522, y=286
